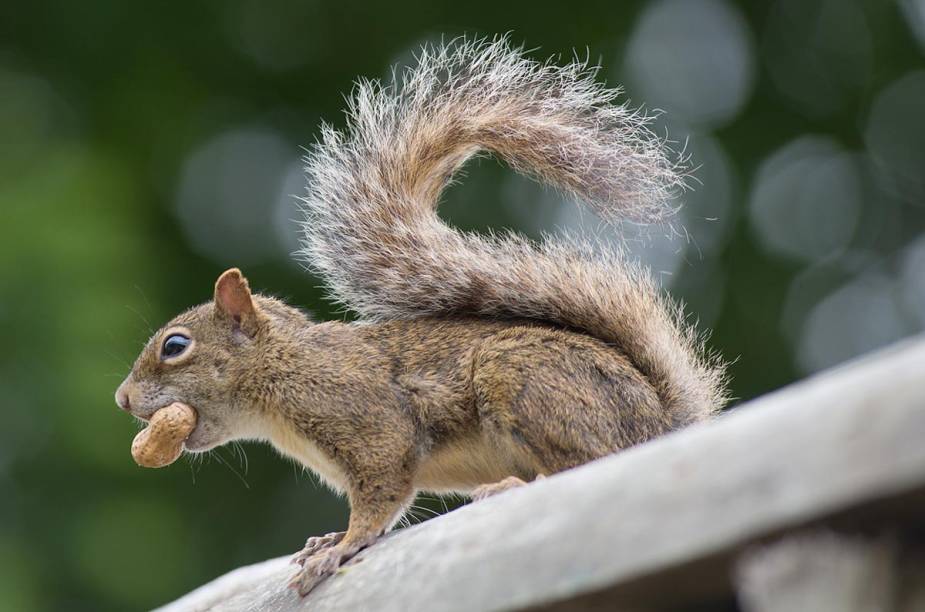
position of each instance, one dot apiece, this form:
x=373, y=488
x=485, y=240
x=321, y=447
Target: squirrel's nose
x=122, y=399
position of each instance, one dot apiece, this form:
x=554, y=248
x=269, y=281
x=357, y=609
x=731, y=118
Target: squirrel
x=477, y=363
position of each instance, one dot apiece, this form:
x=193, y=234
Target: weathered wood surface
x=821, y=571
x=654, y=526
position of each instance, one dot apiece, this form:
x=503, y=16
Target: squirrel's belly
x=462, y=465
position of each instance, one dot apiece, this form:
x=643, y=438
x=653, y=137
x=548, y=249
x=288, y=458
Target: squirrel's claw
x=317, y=544
x=315, y=569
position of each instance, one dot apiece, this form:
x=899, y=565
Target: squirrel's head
x=210, y=358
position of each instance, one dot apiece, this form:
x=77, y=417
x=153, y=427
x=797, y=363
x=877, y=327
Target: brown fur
x=372, y=232
x=480, y=360
x=381, y=411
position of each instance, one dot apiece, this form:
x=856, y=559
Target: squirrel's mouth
x=201, y=439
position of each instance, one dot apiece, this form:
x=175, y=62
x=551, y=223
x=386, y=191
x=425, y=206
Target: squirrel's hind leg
x=555, y=400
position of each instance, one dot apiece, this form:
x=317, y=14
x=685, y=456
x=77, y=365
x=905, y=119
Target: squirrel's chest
x=295, y=446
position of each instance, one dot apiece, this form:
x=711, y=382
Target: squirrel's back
x=372, y=231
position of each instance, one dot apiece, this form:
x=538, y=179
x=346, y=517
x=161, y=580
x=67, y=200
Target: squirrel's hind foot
x=488, y=490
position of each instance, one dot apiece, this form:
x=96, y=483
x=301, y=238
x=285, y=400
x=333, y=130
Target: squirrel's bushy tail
x=372, y=230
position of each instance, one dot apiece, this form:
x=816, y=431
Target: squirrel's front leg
x=372, y=513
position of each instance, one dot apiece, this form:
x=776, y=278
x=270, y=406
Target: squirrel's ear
x=233, y=299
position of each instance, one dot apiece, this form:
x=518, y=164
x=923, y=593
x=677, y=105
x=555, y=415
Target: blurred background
x=144, y=148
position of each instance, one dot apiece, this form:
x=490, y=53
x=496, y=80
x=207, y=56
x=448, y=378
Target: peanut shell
x=161, y=442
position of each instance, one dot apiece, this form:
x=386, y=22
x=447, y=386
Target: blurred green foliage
x=101, y=106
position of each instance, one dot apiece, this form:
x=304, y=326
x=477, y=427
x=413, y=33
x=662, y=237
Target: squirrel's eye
x=174, y=345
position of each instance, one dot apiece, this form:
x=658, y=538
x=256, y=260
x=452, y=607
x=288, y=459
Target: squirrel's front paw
x=315, y=569
x=317, y=544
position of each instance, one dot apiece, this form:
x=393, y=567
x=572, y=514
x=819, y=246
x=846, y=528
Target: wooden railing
x=812, y=494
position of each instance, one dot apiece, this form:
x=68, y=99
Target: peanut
x=161, y=442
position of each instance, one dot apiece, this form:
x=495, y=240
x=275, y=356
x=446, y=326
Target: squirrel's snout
x=122, y=398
